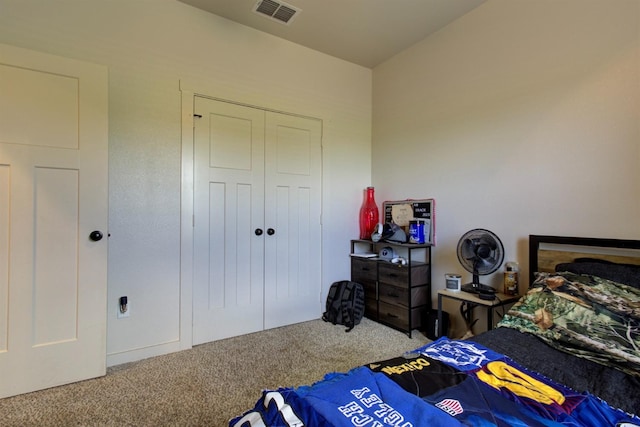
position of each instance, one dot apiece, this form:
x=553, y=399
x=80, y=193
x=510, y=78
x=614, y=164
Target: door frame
x=187, y=188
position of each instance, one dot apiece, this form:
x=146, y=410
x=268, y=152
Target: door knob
x=271, y=231
x=258, y=231
x=96, y=236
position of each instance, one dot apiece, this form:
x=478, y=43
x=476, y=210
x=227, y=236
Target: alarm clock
x=452, y=282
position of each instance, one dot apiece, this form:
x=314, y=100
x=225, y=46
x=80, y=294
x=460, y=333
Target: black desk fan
x=480, y=252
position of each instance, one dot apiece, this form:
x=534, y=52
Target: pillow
x=628, y=274
x=585, y=315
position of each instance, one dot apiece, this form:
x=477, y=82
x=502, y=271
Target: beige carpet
x=211, y=383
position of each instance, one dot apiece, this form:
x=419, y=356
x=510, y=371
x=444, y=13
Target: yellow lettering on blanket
x=414, y=365
x=501, y=375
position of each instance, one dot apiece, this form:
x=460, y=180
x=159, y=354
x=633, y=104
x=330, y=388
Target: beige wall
x=150, y=46
x=522, y=117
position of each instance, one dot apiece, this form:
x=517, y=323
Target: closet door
x=293, y=178
x=256, y=220
x=228, y=292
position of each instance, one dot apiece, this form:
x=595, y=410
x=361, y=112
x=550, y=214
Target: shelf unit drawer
x=399, y=316
x=394, y=274
x=393, y=314
x=400, y=295
x=363, y=269
x=393, y=294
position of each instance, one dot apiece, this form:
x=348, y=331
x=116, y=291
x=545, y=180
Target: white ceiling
x=365, y=32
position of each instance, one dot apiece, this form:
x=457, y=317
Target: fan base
x=483, y=291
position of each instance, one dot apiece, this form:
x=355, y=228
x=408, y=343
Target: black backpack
x=345, y=304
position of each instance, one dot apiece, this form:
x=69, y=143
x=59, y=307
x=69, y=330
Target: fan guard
x=480, y=252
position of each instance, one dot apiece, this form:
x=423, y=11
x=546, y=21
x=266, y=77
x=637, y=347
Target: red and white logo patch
x=450, y=406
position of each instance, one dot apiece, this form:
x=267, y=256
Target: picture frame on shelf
x=401, y=212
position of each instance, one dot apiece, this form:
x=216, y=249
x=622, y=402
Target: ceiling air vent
x=276, y=10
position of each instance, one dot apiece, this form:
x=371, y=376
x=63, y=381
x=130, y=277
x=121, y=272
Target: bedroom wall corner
x=523, y=118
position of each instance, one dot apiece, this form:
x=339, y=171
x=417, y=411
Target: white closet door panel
x=216, y=249
x=293, y=151
x=293, y=193
x=228, y=207
x=231, y=142
x=229, y=278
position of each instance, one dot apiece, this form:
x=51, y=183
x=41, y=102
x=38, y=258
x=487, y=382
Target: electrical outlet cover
x=126, y=313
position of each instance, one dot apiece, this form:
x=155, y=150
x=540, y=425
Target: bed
x=567, y=353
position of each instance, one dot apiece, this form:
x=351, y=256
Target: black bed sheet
x=616, y=388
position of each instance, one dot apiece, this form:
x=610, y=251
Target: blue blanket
x=477, y=387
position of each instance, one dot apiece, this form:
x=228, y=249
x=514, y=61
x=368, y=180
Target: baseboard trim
x=143, y=353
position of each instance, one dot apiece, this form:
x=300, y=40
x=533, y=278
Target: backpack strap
x=350, y=297
x=333, y=303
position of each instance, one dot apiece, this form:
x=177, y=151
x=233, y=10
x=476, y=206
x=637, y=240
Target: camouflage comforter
x=583, y=315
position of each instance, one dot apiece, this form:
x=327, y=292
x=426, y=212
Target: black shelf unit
x=396, y=295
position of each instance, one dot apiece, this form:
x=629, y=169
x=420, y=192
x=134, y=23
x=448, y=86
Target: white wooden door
x=53, y=195
x=256, y=220
x=293, y=179
x=228, y=207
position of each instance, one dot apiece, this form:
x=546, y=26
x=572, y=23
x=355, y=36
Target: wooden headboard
x=547, y=251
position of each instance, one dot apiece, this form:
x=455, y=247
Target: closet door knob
x=271, y=231
x=96, y=236
x=258, y=232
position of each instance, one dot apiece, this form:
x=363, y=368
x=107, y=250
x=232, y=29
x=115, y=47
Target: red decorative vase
x=368, y=215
